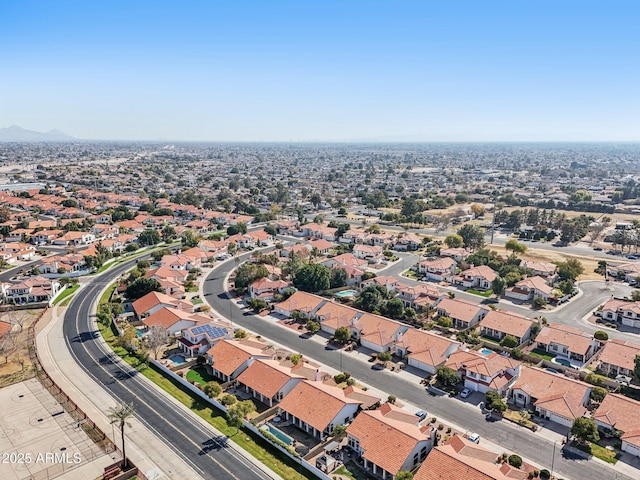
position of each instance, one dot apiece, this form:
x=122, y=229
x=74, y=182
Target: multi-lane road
x=535, y=447
x=205, y=452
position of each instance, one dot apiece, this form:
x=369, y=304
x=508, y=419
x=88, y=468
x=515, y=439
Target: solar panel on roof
x=210, y=329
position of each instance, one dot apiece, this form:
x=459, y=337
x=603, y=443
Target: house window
x=483, y=377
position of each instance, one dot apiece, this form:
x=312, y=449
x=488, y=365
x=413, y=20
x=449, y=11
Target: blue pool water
x=178, y=359
x=486, y=351
x=279, y=434
x=562, y=361
x=346, y=293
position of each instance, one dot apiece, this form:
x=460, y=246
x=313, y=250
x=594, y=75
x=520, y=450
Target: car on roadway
x=465, y=393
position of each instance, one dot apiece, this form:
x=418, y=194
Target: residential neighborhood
x=437, y=305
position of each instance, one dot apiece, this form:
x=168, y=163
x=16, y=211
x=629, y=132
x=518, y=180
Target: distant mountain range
x=19, y=134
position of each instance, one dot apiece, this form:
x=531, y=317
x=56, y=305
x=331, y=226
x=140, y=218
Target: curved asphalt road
x=206, y=454
x=532, y=446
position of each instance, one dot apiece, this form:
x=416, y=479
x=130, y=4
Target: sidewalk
x=155, y=459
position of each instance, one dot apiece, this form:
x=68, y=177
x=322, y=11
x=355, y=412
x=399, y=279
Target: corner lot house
x=554, y=396
x=617, y=310
x=620, y=413
x=317, y=408
x=389, y=440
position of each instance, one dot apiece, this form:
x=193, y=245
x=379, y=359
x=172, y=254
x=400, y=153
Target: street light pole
x=553, y=458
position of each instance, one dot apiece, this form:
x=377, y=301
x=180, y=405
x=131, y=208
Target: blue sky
x=323, y=70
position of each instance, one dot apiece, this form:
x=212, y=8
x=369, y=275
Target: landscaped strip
x=256, y=446
x=65, y=297
x=604, y=454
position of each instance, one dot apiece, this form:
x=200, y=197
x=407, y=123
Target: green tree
x=342, y=334
x=636, y=367
x=271, y=230
x=312, y=327
x=237, y=413
x=371, y=298
x=247, y=273
x=515, y=461
x=338, y=278
x=228, y=399
x=472, y=236
x=566, y=286
x=168, y=233
x=257, y=304
x=141, y=286
x=498, y=285
x=312, y=278
x=384, y=357
x=601, y=335
x=585, y=430
x=119, y=415
x=394, y=308
x=635, y=295
x=539, y=302
x=454, y=241
x=212, y=389
x=190, y=238
x=446, y=375
x=239, y=227
x=570, y=269
x=511, y=278
x=444, y=321
x=515, y=246
x=509, y=341
x=404, y=475
x=597, y=394
x=149, y=237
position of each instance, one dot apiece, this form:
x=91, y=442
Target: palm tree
x=120, y=414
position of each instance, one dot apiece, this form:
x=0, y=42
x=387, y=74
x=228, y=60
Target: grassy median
x=256, y=446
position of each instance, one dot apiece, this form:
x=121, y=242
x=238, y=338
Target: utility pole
x=493, y=220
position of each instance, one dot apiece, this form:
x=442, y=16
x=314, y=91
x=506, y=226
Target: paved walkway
x=154, y=458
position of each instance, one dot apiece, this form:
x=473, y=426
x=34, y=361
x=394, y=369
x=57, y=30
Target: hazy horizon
x=332, y=72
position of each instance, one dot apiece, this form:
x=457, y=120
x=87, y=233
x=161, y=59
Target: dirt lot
x=15, y=365
x=539, y=255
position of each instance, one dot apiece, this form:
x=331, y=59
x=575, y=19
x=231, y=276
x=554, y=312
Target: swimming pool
x=279, y=434
x=346, y=293
x=178, y=359
x=564, y=361
x=486, y=351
